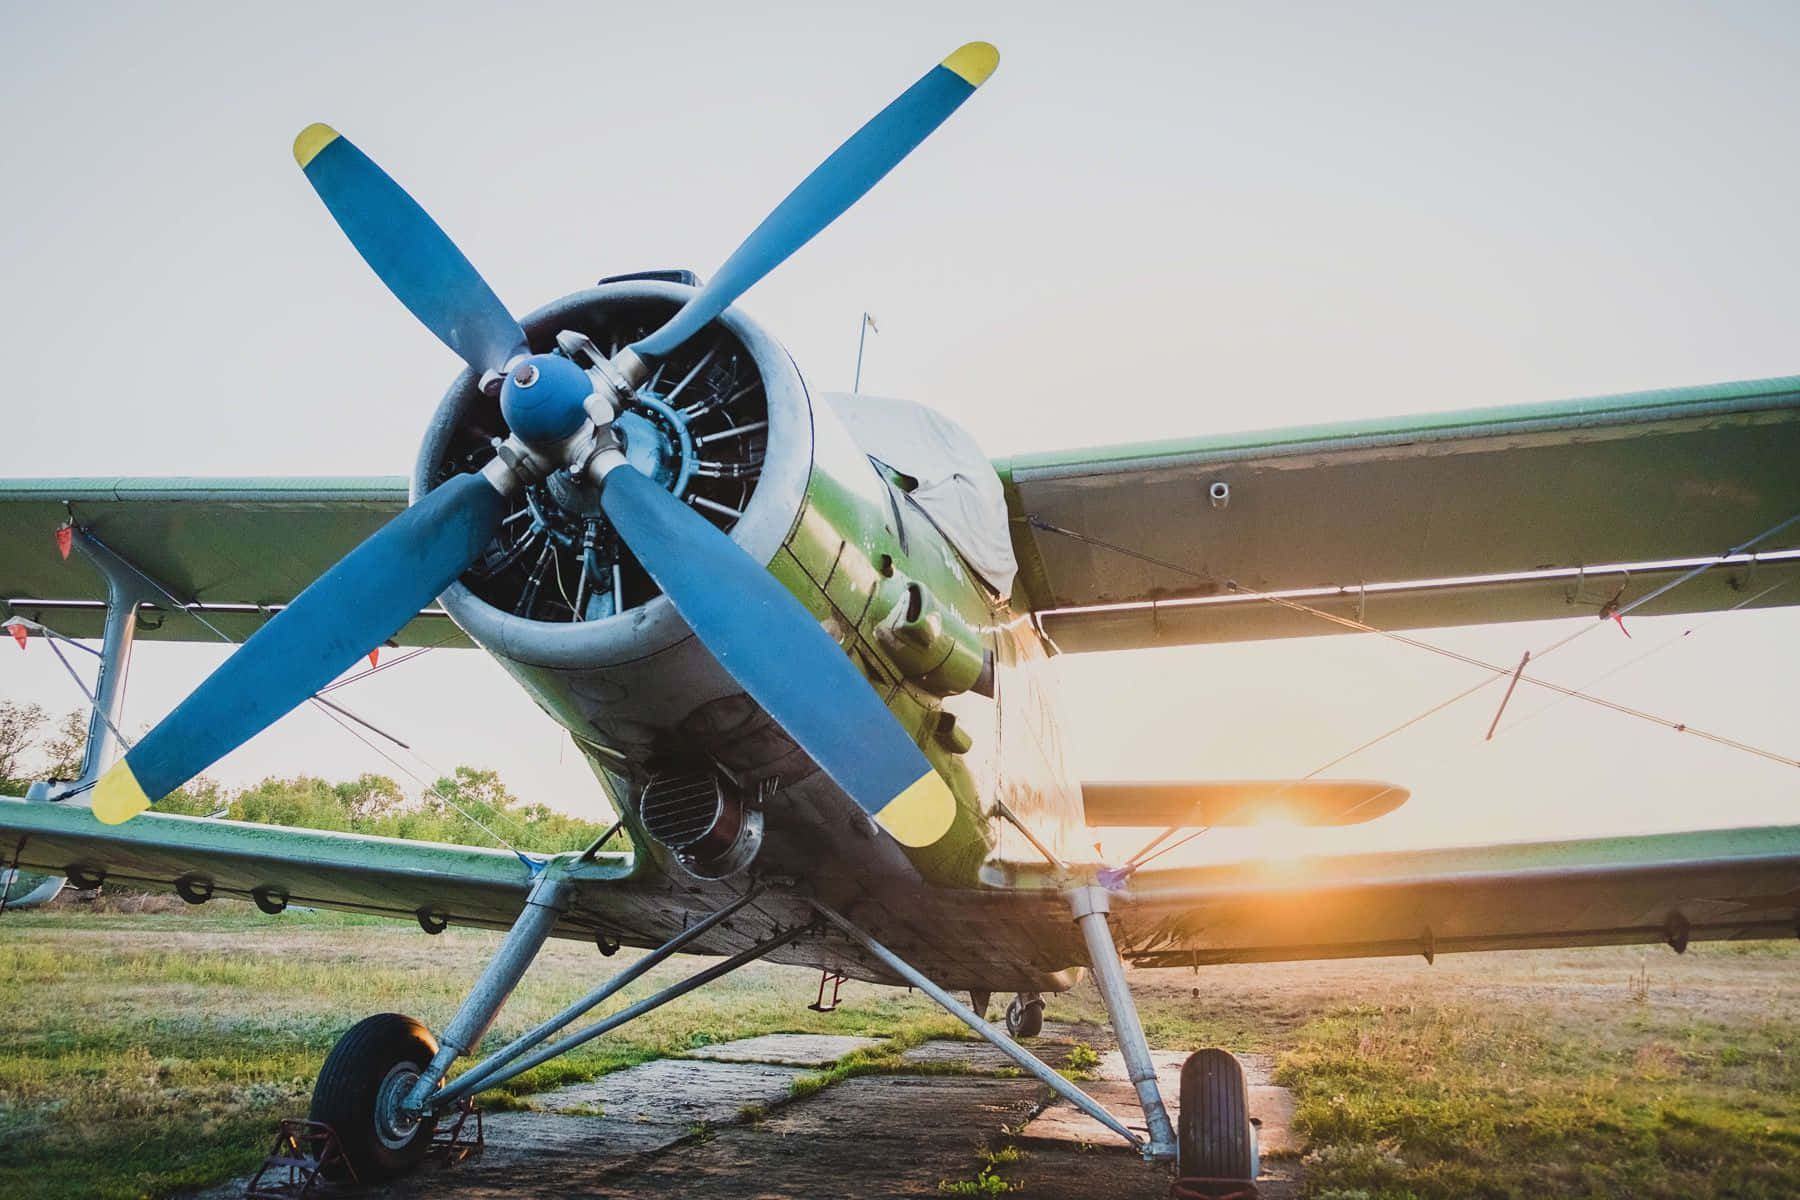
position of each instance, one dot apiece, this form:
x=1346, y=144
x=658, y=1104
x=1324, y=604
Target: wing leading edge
x=1499, y=514
x=464, y=885
x=1720, y=885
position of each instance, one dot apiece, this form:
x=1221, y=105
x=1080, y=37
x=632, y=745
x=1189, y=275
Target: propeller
x=357, y=604
x=835, y=184
x=406, y=249
x=756, y=629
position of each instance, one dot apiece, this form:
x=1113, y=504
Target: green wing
x=465, y=885
x=1721, y=885
x=1387, y=521
x=227, y=549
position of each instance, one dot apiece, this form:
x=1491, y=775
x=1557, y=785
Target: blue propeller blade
x=349, y=610
x=773, y=647
x=837, y=183
x=417, y=261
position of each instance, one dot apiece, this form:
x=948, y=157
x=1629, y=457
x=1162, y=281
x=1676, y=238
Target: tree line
x=33, y=745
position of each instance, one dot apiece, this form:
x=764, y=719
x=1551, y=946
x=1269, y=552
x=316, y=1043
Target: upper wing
x=228, y=550
x=1676, y=887
x=1386, y=521
x=464, y=885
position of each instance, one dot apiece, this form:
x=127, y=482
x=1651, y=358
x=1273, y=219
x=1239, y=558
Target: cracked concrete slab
x=674, y=1091
x=978, y=1057
x=725, y=1130
x=786, y=1049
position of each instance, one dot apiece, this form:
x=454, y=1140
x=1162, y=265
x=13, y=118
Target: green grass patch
x=1429, y=1100
x=144, y=1053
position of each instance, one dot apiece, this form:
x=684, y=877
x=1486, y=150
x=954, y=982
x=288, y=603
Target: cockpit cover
x=958, y=488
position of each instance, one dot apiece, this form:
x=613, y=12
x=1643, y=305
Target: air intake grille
x=681, y=809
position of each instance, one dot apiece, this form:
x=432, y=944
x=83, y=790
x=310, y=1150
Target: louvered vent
x=704, y=819
x=679, y=810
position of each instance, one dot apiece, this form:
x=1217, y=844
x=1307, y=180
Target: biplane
x=803, y=642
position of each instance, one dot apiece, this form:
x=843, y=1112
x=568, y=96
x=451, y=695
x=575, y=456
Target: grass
x=1615, y=1072
x=1451, y=1100
x=142, y=1053
x=146, y=1052
x=987, y=1181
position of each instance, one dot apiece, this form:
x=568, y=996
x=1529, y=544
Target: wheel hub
x=394, y=1126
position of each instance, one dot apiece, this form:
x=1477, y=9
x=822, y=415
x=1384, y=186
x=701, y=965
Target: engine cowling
x=727, y=425
x=724, y=424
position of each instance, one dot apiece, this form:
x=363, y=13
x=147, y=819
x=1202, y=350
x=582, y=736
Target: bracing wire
x=1150, y=851
x=326, y=707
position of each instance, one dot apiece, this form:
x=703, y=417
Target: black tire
x=376, y=1058
x=1025, y=1017
x=1215, y=1139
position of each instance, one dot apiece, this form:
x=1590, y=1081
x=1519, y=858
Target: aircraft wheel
x=360, y=1088
x=1215, y=1137
x=1025, y=1015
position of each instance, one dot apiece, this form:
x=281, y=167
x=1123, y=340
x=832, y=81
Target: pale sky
x=1154, y=220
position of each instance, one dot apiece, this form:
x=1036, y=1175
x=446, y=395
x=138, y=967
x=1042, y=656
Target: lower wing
x=437, y=884
x=1720, y=885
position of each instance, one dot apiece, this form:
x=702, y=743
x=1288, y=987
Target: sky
x=1155, y=220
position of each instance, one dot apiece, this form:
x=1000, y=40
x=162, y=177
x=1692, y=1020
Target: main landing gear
x=360, y=1092
x=1217, y=1137
x=383, y=1088
x=1025, y=1015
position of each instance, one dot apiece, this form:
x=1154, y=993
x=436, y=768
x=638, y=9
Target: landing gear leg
x=1091, y=906
x=549, y=899
x=994, y=1037
x=380, y=1088
x=373, y=1088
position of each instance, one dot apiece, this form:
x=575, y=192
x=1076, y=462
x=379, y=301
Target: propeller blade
x=417, y=260
x=359, y=603
x=837, y=183
x=773, y=647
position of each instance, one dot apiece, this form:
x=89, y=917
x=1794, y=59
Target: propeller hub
x=543, y=400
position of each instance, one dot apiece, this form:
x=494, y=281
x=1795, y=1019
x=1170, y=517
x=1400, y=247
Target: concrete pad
x=676, y=1127
x=786, y=1049
x=979, y=1057
x=887, y=1136
x=674, y=1092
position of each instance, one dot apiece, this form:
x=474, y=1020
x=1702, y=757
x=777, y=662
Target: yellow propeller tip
x=118, y=796
x=312, y=139
x=921, y=814
x=974, y=62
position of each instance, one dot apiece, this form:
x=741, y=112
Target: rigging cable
x=330, y=709
x=1145, y=855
